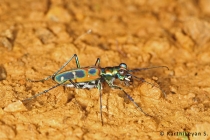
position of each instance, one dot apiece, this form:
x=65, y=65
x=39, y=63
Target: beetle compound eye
x=123, y=65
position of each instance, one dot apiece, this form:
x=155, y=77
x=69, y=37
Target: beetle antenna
x=140, y=69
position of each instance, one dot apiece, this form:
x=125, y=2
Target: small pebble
x=15, y=107
x=3, y=73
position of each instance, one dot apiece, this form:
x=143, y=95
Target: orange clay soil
x=37, y=37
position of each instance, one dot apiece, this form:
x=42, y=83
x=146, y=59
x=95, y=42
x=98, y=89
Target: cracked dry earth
x=38, y=37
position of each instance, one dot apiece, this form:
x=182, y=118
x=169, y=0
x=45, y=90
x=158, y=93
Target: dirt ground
x=38, y=37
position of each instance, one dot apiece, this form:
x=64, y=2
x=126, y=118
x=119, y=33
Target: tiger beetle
x=93, y=77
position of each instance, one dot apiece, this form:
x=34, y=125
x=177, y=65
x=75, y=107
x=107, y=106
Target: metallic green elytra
x=92, y=77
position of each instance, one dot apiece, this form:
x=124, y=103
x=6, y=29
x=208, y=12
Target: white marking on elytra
x=62, y=78
x=74, y=73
